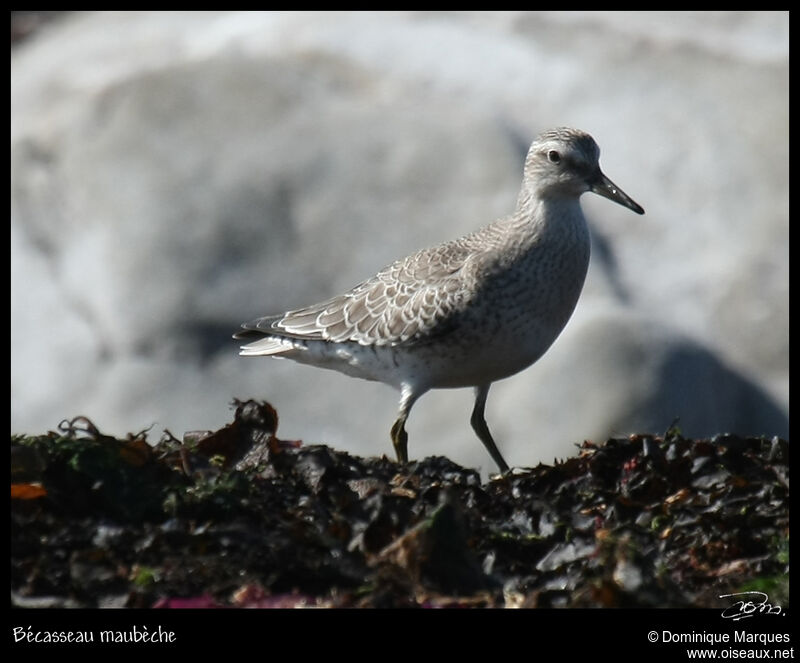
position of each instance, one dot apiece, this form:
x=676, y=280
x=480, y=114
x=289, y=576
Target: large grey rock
x=619, y=372
x=174, y=174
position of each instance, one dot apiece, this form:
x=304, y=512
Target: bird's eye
x=554, y=156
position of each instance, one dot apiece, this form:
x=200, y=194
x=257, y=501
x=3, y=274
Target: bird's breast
x=524, y=304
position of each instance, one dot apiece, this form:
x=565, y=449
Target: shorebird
x=467, y=312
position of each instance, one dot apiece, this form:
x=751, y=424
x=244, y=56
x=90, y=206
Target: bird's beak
x=603, y=186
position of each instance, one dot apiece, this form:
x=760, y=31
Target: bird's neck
x=538, y=217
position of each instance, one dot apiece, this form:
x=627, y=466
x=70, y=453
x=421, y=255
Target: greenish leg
x=478, y=421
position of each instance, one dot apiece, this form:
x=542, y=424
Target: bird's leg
x=399, y=435
x=400, y=439
x=478, y=422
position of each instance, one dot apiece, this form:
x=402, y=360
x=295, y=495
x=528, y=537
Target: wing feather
x=409, y=300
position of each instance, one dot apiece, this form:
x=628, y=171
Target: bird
x=466, y=312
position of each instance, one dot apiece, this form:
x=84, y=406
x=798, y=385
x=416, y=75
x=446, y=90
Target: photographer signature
x=756, y=605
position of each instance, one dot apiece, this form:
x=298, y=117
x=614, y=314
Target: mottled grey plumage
x=466, y=312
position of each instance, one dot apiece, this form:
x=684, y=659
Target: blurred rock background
x=174, y=174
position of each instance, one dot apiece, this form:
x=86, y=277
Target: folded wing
x=411, y=299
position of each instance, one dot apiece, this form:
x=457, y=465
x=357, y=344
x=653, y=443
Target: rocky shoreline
x=241, y=518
